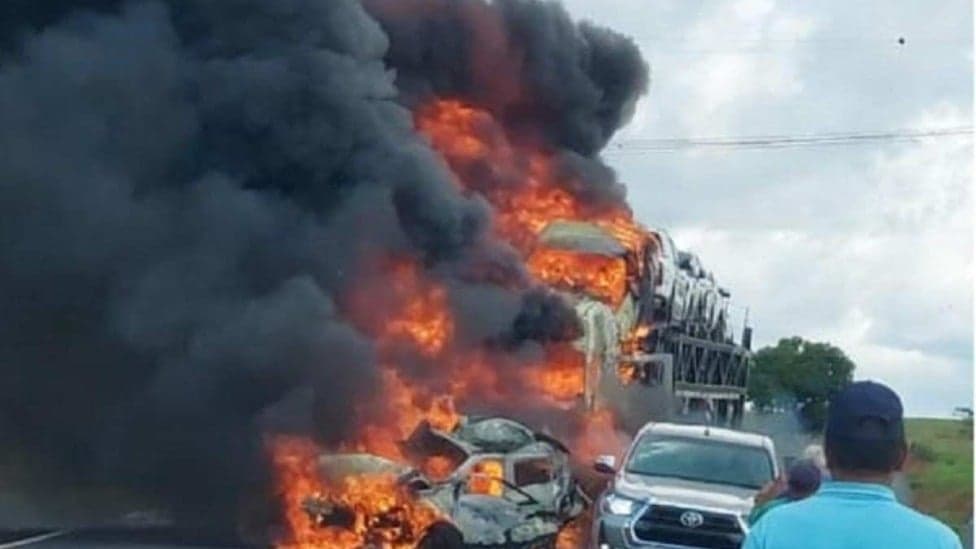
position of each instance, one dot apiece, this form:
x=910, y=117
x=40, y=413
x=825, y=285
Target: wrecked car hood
x=483, y=520
x=338, y=466
x=515, y=517
x=487, y=520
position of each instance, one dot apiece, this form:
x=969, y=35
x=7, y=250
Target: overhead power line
x=784, y=141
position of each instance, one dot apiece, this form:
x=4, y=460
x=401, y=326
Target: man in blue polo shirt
x=865, y=446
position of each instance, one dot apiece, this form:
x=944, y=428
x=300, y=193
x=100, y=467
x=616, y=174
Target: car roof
x=707, y=431
x=581, y=237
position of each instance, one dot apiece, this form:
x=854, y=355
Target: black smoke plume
x=186, y=187
x=541, y=75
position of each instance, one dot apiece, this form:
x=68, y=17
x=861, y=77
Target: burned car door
x=536, y=476
x=489, y=509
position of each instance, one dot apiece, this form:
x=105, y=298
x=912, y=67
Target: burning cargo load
x=581, y=258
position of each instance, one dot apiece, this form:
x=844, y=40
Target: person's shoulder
x=781, y=523
x=786, y=512
x=928, y=524
x=801, y=507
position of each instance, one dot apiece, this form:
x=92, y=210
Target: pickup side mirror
x=606, y=465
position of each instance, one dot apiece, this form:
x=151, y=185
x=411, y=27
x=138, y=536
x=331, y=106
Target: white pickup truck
x=682, y=486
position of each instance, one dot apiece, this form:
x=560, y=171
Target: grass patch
x=940, y=471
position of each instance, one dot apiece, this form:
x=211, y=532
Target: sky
x=868, y=247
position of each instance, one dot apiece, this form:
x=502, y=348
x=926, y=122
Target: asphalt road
x=149, y=538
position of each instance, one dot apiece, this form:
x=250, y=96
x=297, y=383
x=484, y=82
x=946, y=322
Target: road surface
x=143, y=538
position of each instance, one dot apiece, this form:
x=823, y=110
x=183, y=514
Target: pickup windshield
x=701, y=460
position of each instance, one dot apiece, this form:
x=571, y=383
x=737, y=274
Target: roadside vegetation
x=801, y=376
x=940, y=471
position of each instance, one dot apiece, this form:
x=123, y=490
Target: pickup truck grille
x=662, y=524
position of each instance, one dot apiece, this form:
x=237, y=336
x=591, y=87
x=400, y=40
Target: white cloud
x=869, y=247
x=848, y=291
x=894, y=290
x=928, y=184
x=729, y=72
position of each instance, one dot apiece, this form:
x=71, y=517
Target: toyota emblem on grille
x=691, y=519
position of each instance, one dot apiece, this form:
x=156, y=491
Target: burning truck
x=489, y=482
x=324, y=218
x=655, y=323
x=657, y=340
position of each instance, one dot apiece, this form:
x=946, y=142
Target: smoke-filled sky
x=200, y=204
x=869, y=246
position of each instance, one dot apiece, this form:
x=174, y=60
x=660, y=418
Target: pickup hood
x=685, y=493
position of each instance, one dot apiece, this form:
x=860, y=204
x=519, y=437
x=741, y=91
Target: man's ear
x=902, y=456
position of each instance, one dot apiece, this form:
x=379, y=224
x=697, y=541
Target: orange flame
x=474, y=144
x=484, y=159
x=630, y=344
x=627, y=372
x=403, y=307
x=438, y=467
x=405, y=406
x=378, y=511
x=605, y=278
x=485, y=477
x=373, y=499
x=409, y=309
x=424, y=318
x=561, y=377
x=599, y=435
x=573, y=535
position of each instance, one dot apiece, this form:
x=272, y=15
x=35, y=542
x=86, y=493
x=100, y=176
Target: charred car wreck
x=491, y=481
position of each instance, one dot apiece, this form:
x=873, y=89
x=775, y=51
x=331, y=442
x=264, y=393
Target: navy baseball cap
x=866, y=411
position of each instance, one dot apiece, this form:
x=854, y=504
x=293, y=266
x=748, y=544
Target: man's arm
x=771, y=490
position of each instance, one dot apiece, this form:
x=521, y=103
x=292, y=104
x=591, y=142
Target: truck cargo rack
x=700, y=375
x=710, y=366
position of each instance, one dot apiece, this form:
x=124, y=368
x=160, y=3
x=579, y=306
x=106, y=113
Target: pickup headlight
x=618, y=505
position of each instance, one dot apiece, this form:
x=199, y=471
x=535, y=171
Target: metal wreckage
x=656, y=324
x=500, y=484
x=657, y=341
x=658, y=333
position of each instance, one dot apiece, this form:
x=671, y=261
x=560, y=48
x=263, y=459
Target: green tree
x=799, y=375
